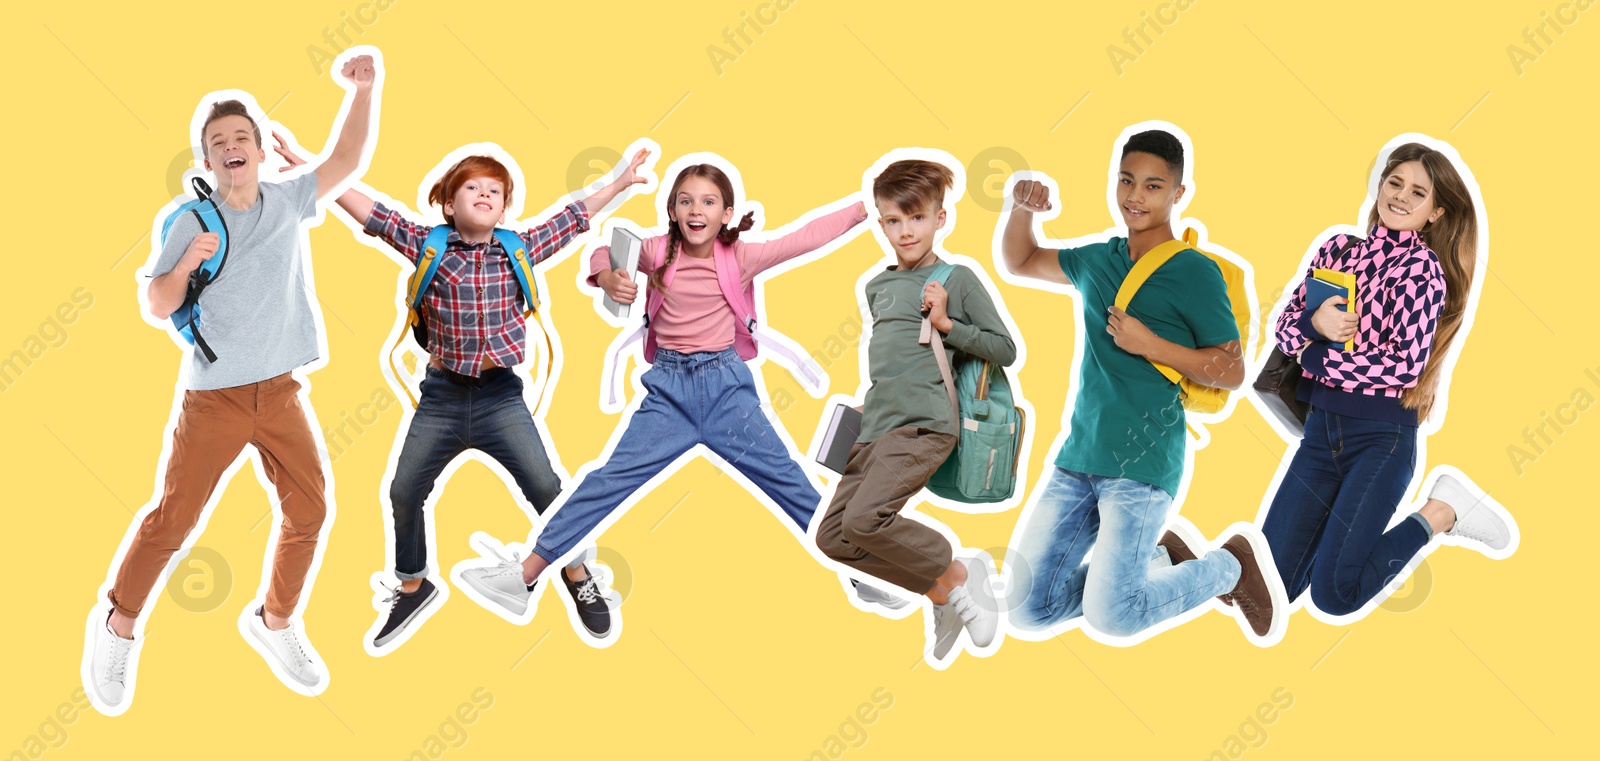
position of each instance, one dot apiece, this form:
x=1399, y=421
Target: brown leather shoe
x=1179, y=552
x=1251, y=594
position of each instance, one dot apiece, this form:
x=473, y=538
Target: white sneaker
x=870, y=594
x=1478, y=517
x=286, y=648
x=964, y=610
x=947, y=623
x=986, y=606
x=501, y=583
x=109, y=672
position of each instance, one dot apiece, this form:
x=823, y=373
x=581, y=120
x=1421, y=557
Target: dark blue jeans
x=450, y=419
x=1327, y=522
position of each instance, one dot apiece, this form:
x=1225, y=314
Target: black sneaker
x=403, y=609
x=593, y=609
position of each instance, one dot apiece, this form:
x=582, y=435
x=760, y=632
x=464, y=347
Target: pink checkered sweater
x=1400, y=291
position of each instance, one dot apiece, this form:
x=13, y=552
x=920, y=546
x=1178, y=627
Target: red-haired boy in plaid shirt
x=471, y=399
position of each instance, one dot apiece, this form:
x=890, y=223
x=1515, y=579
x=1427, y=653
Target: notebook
x=1325, y=284
x=844, y=427
x=625, y=248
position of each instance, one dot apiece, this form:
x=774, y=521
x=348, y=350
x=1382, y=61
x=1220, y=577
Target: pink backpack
x=748, y=335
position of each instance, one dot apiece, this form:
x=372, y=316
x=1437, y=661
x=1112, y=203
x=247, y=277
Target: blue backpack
x=428, y=266
x=187, y=316
x=983, y=467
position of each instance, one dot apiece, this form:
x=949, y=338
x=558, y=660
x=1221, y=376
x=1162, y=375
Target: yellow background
x=737, y=644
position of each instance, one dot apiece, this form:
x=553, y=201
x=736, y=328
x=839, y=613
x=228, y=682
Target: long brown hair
x=727, y=235
x=1454, y=239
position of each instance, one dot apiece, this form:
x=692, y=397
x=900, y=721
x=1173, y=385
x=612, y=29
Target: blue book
x=1326, y=284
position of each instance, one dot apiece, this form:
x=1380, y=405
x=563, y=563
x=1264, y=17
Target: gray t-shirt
x=257, y=315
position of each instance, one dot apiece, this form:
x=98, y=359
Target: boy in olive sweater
x=908, y=426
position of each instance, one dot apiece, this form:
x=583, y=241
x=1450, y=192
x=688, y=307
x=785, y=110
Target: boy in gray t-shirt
x=259, y=326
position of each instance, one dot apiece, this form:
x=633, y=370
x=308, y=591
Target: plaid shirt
x=473, y=303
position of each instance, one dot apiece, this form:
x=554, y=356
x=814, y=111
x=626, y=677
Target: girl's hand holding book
x=1333, y=323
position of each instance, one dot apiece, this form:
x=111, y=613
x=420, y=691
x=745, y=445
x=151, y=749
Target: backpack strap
x=941, y=273
x=187, y=317
x=521, y=268
x=1142, y=270
x=427, y=266
x=733, y=290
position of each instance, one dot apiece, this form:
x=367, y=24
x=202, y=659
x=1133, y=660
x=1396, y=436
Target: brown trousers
x=863, y=527
x=212, y=430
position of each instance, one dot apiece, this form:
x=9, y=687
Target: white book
x=844, y=427
x=625, y=248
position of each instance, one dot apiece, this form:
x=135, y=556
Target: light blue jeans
x=704, y=398
x=1130, y=584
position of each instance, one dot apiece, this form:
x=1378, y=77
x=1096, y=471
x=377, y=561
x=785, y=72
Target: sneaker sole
x=879, y=598
x=892, y=604
x=510, y=603
x=433, y=594
x=593, y=633
x=272, y=656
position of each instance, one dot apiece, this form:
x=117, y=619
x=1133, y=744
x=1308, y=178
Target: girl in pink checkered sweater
x=1328, y=524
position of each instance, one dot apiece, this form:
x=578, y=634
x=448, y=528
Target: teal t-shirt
x=1127, y=419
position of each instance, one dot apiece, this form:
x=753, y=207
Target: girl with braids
x=698, y=391
x=1328, y=524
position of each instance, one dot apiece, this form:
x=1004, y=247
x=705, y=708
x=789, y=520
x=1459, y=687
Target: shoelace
x=291, y=642
x=588, y=592
x=117, y=660
x=1475, y=530
x=965, y=607
x=507, y=563
x=394, y=596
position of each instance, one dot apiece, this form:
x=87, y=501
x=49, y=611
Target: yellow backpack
x=1196, y=397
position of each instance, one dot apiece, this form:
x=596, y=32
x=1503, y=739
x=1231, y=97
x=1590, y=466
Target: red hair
x=466, y=169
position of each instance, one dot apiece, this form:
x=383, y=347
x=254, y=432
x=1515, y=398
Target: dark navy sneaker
x=593, y=609
x=403, y=609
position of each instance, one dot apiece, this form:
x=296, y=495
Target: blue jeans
x=703, y=398
x=1354, y=471
x=1130, y=585
x=450, y=419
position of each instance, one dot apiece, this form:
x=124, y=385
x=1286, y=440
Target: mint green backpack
x=983, y=467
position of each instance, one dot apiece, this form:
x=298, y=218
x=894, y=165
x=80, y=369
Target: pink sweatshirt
x=695, y=317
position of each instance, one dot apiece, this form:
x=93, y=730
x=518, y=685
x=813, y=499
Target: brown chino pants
x=212, y=430
x=863, y=527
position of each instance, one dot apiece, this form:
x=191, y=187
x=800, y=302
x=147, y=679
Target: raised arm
x=756, y=257
x=629, y=177
x=350, y=143
x=1021, y=250
x=355, y=202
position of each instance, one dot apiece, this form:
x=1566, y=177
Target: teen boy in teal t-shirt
x=1114, y=479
